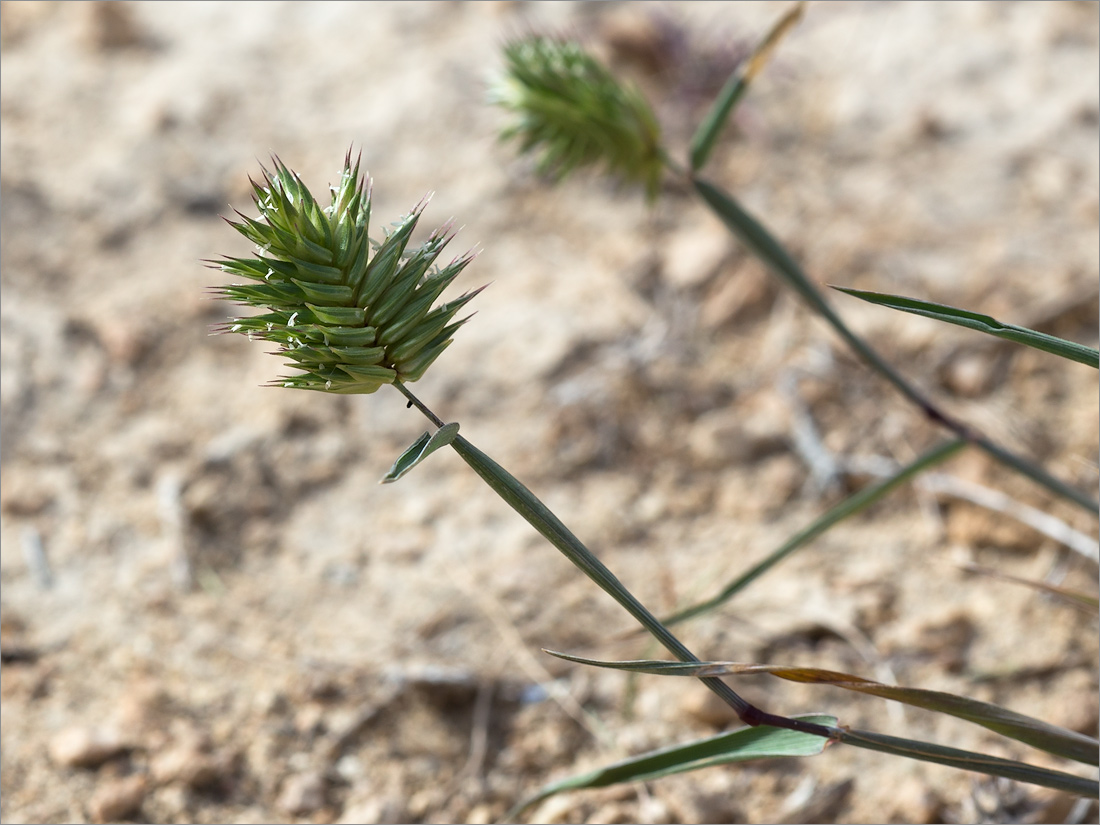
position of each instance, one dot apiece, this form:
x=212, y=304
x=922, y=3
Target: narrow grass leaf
x=1084, y=601
x=849, y=507
x=1037, y=474
x=419, y=450
x=983, y=323
x=1042, y=735
x=539, y=516
x=702, y=143
x=743, y=745
x=970, y=761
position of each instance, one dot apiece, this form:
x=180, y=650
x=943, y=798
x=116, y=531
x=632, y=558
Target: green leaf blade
x=419, y=450
x=742, y=745
x=702, y=143
x=970, y=761
x=539, y=516
x=850, y=506
x=982, y=323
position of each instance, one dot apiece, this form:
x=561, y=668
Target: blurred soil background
x=212, y=612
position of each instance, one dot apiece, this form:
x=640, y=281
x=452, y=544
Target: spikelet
x=349, y=314
x=569, y=109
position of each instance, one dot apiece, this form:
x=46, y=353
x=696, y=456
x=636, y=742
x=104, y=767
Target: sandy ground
x=212, y=612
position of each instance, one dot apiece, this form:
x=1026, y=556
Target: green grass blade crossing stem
x=907, y=748
x=524, y=502
x=1068, y=744
x=762, y=244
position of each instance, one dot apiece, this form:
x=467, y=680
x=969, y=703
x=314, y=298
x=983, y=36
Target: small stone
x=970, y=375
x=824, y=804
x=694, y=254
x=614, y=812
x=948, y=638
x=636, y=38
x=376, y=809
x=781, y=476
x=22, y=497
x=654, y=810
x=971, y=526
x=172, y=803
x=706, y=707
x=187, y=763
x=81, y=747
x=118, y=799
x=727, y=437
x=746, y=294
x=110, y=26
x=349, y=768
x=124, y=343
x=302, y=794
x=562, y=808
x=141, y=706
x=480, y=814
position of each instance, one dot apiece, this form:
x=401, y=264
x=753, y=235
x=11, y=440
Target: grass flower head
x=350, y=314
x=569, y=107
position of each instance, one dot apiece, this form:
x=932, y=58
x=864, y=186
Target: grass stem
x=539, y=516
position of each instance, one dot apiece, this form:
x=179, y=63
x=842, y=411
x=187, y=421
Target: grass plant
x=351, y=315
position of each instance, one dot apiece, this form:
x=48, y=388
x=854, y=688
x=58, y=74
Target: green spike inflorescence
x=350, y=321
x=570, y=109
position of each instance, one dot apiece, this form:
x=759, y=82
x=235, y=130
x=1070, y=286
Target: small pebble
x=117, y=799
x=746, y=434
x=81, y=747
x=970, y=375
x=706, y=707
x=187, y=763
x=302, y=794
x=694, y=254
x=480, y=814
